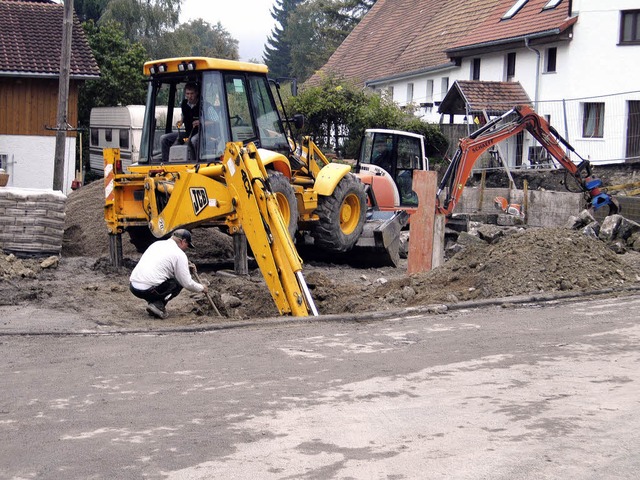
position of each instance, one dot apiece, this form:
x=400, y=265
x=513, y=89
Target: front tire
x=341, y=216
x=286, y=198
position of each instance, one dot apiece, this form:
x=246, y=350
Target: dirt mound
x=533, y=261
x=85, y=232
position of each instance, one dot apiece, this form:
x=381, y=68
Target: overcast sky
x=248, y=21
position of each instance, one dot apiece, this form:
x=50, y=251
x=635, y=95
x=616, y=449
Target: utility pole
x=63, y=96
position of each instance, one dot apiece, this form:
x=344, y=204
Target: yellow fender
x=329, y=177
x=275, y=160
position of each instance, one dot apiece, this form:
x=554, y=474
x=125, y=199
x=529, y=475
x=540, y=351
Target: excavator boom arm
x=495, y=131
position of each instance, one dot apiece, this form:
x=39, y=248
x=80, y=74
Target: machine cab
x=386, y=162
x=233, y=102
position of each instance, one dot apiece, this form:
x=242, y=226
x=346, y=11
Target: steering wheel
x=237, y=120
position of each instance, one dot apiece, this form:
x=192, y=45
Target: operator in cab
x=162, y=273
x=190, y=119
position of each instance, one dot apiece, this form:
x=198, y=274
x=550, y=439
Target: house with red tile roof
x=30, y=50
x=575, y=59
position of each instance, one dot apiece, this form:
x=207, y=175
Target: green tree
x=342, y=15
x=121, y=79
x=90, y=9
x=144, y=21
x=316, y=28
x=198, y=38
x=309, y=47
x=277, y=51
x=337, y=112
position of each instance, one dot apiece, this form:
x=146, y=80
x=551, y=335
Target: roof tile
x=399, y=37
x=31, y=40
x=482, y=96
x=531, y=19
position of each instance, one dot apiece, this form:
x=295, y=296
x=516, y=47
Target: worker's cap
x=183, y=234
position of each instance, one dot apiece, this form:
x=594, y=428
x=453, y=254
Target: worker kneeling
x=162, y=273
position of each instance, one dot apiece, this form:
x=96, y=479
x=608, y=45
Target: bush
x=338, y=112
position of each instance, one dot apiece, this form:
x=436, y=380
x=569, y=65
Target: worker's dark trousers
x=160, y=294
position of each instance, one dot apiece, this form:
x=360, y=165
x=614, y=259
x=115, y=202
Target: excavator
x=518, y=119
x=318, y=199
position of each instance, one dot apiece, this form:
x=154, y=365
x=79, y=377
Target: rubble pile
x=531, y=261
x=486, y=261
x=620, y=233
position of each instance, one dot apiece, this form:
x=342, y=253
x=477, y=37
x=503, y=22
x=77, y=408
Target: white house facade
x=583, y=76
x=28, y=159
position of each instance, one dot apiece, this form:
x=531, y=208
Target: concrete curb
x=433, y=309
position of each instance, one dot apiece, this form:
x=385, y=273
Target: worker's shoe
x=157, y=310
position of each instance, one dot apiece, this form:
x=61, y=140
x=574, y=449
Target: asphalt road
x=498, y=393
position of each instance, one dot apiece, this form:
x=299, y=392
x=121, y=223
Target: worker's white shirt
x=163, y=260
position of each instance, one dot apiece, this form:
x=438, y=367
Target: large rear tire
x=341, y=216
x=286, y=198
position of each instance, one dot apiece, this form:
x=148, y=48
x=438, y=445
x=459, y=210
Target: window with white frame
x=510, y=66
x=390, y=92
x=429, y=91
x=444, y=86
x=550, y=59
x=475, y=69
x=4, y=161
x=630, y=27
x=515, y=8
x=551, y=4
x=593, y=120
x=409, y=92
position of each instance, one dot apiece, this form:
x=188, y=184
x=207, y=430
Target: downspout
x=537, y=87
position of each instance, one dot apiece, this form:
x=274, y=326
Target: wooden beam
x=421, y=230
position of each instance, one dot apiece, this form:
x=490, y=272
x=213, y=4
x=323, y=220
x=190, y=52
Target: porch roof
x=469, y=96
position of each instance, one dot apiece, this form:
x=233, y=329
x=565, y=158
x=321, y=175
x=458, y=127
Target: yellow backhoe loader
x=224, y=157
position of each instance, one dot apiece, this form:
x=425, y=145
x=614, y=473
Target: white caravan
x=115, y=127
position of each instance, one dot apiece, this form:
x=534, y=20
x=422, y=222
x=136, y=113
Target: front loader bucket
x=379, y=243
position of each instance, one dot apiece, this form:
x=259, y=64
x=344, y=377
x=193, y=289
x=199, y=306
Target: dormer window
x=514, y=9
x=551, y=4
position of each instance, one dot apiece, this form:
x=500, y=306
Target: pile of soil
x=531, y=261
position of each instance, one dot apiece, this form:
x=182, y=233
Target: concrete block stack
x=31, y=221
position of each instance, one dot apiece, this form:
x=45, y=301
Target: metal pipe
x=537, y=88
x=307, y=294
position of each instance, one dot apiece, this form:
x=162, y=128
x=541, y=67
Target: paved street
x=498, y=393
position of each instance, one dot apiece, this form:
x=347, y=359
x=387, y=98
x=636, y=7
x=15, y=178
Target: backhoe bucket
x=379, y=243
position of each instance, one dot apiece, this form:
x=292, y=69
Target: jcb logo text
x=199, y=199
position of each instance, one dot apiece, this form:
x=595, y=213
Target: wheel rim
x=349, y=214
x=283, y=205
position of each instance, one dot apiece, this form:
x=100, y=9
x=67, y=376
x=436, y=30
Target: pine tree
x=316, y=28
x=277, y=52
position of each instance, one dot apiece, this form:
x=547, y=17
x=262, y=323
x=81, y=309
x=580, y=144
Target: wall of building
x=543, y=208
x=28, y=117
x=31, y=161
x=29, y=106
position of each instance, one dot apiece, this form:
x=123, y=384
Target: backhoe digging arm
x=259, y=218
